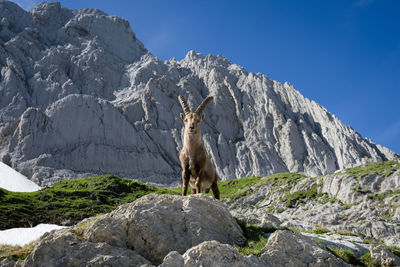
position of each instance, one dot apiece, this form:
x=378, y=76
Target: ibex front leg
x=185, y=180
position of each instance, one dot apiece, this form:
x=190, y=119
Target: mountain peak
x=81, y=95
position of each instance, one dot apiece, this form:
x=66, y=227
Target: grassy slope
x=71, y=200
x=383, y=169
x=80, y=198
x=77, y=199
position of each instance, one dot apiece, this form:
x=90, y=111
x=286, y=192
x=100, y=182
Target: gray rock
x=345, y=187
x=62, y=248
x=154, y=225
x=265, y=220
x=384, y=256
x=396, y=215
x=7, y=262
x=352, y=243
x=269, y=221
x=80, y=95
x=173, y=259
x=213, y=253
x=285, y=248
x=341, y=187
x=381, y=230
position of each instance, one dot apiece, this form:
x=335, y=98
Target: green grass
x=77, y=199
x=367, y=260
x=243, y=187
x=383, y=169
x=346, y=232
x=294, y=230
x=280, y=210
x=17, y=252
x=285, y=179
x=345, y=254
x=382, y=196
x=282, y=182
x=229, y=188
x=71, y=200
x=255, y=242
x=293, y=199
x=357, y=188
x=371, y=241
x=320, y=230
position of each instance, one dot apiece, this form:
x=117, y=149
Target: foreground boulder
x=63, y=248
x=285, y=248
x=211, y=253
x=154, y=225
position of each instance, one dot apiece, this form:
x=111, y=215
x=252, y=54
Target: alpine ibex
x=197, y=168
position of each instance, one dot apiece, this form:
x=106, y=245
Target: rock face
x=80, y=95
x=64, y=249
x=285, y=248
x=154, y=225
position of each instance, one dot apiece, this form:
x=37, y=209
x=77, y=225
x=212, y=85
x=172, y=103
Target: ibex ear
x=182, y=116
x=201, y=117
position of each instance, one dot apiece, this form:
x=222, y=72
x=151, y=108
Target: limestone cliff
x=80, y=95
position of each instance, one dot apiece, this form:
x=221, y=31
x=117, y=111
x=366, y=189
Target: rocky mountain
x=80, y=95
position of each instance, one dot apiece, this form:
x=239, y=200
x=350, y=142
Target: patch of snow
x=23, y=236
x=12, y=180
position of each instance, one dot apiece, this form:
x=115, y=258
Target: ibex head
x=192, y=119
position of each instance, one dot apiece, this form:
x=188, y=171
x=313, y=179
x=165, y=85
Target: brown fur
x=197, y=169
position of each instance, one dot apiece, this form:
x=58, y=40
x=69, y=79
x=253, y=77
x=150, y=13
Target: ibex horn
x=184, y=105
x=203, y=104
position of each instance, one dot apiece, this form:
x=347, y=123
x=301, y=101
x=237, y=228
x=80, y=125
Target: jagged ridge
x=80, y=95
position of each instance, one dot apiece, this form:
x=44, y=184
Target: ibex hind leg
x=198, y=185
x=215, y=189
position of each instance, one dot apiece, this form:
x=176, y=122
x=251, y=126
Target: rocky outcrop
x=211, y=253
x=63, y=248
x=350, y=190
x=384, y=257
x=154, y=225
x=285, y=248
x=364, y=205
x=175, y=231
x=80, y=95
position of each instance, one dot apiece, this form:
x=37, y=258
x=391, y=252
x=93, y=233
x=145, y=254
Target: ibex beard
x=197, y=168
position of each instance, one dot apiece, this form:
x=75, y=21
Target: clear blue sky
x=345, y=55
